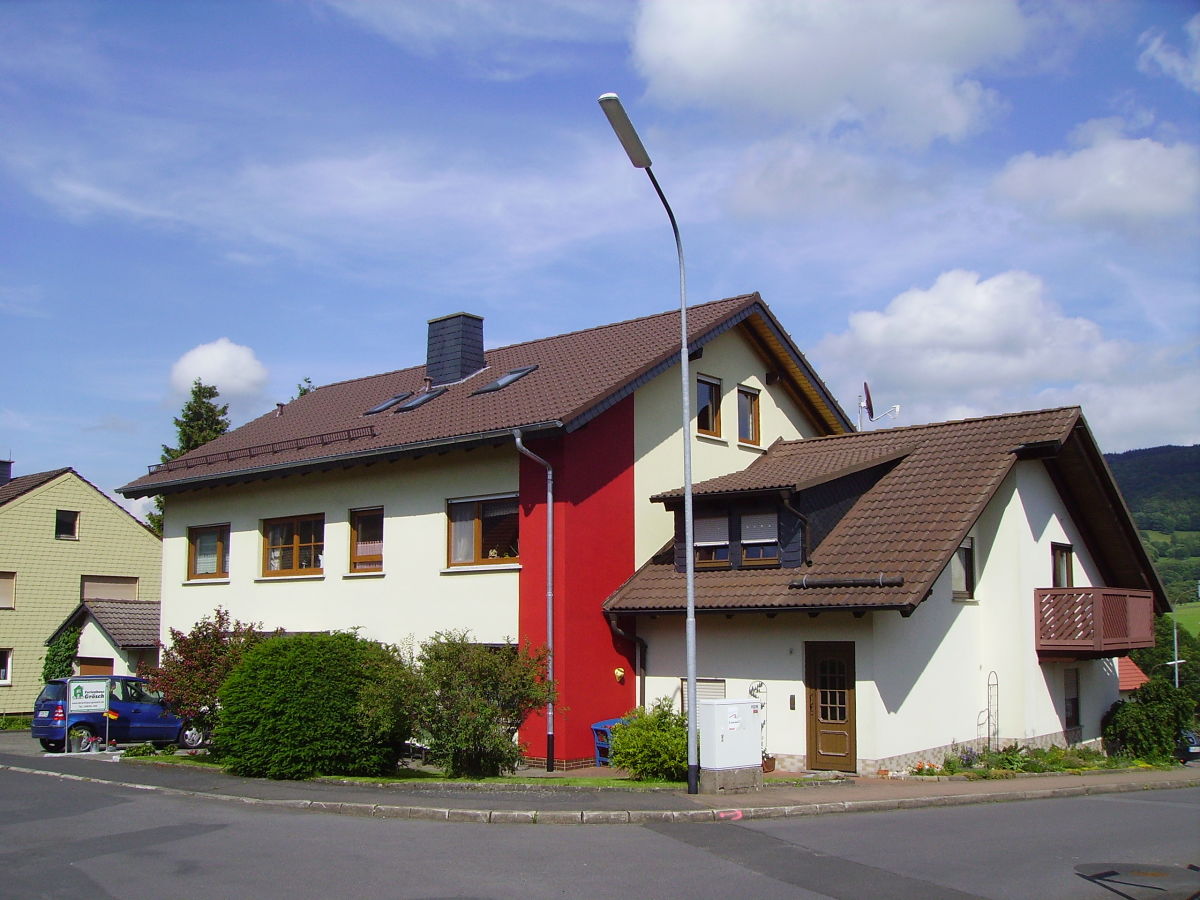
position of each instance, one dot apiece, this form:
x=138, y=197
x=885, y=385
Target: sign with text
x=87, y=696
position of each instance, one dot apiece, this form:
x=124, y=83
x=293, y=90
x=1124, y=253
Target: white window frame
x=6, y=660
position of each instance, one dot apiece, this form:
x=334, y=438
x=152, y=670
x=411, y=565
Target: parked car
x=118, y=708
x=1188, y=747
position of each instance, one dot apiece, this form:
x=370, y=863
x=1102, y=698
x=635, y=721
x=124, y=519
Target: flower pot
x=768, y=764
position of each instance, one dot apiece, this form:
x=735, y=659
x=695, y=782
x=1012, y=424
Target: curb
x=628, y=817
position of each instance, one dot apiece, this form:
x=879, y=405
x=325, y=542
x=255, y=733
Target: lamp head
x=611, y=104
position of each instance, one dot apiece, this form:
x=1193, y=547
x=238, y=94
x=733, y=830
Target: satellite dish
x=870, y=407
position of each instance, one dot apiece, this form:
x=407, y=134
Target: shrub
x=15, y=723
x=651, y=744
x=474, y=699
x=1150, y=722
x=197, y=664
x=140, y=750
x=308, y=704
x=59, y=661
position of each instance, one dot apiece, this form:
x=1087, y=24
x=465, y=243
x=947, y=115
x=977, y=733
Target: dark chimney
x=455, y=348
x=5, y=471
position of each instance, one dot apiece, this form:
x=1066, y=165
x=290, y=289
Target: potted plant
x=768, y=762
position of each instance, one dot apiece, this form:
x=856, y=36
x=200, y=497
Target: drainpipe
x=785, y=497
x=640, y=652
x=516, y=433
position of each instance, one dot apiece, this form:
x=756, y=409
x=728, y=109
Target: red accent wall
x=593, y=555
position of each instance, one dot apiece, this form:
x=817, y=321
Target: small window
x=748, y=415
x=294, y=546
x=208, y=552
x=760, y=539
x=8, y=590
x=711, y=537
x=506, y=379
x=962, y=570
x=421, y=399
x=706, y=689
x=366, y=540
x=708, y=406
x=66, y=525
x=108, y=587
x=1063, y=563
x=388, y=403
x=5, y=667
x=1071, y=698
x=484, y=531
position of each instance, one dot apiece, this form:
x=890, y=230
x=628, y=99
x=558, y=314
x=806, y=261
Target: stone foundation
x=731, y=781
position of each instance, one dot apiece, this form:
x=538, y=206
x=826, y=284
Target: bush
x=1149, y=724
x=16, y=723
x=474, y=699
x=197, y=664
x=651, y=744
x=59, y=661
x=308, y=704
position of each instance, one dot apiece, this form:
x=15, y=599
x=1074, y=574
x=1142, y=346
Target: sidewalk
x=544, y=802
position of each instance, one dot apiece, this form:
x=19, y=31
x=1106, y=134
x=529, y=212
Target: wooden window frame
x=478, y=557
x=755, y=435
x=59, y=533
x=222, y=531
x=964, y=557
x=761, y=561
x=365, y=562
x=1062, y=555
x=707, y=382
x=296, y=546
x=707, y=553
x=8, y=590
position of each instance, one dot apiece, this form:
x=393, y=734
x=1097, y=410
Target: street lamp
x=611, y=104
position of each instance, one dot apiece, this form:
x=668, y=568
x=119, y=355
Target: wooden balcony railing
x=1091, y=622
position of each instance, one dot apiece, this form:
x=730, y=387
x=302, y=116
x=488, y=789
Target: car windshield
x=53, y=691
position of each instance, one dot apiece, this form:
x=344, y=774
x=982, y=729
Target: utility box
x=730, y=734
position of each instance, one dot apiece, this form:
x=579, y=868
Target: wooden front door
x=829, y=684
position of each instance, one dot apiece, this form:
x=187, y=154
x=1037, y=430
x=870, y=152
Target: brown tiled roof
x=910, y=522
x=578, y=376
x=23, y=484
x=131, y=624
x=1130, y=676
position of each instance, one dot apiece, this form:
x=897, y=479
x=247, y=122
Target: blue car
x=120, y=708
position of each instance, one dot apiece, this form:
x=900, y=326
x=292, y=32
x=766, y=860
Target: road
x=77, y=839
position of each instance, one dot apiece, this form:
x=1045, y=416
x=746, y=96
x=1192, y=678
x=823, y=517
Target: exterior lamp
x=611, y=104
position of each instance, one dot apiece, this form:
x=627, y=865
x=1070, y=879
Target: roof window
x=505, y=380
x=420, y=399
x=388, y=403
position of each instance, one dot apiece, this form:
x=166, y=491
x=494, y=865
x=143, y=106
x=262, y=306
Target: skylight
x=388, y=403
x=505, y=380
x=420, y=399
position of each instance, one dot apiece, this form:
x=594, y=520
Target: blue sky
x=977, y=207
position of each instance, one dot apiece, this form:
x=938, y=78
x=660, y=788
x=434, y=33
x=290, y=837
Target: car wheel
x=76, y=737
x=51, y=746
x=192, y=737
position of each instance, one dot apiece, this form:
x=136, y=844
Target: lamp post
x=611, y=104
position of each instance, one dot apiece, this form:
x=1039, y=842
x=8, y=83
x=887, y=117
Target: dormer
x=742, y=532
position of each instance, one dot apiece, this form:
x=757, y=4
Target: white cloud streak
x=1159, y=57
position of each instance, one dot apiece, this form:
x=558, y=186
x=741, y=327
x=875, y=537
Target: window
x=8, y=590
x=484, y=531
x=962, y=570
x=1071, y=698
x=706, y=689
x=505, y=380
x=66, y=525
x=747, y=415
x=5, y=667
x=708, y=406
x=108, y=587
x=1063, y=562
x=294, y=546
x=760, y=539
x=208, y=552
x=366, y=540
x=711, y=536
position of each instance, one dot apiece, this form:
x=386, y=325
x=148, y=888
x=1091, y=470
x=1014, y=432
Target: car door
x=146, y=717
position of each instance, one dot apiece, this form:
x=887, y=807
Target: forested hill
x=1161, y=486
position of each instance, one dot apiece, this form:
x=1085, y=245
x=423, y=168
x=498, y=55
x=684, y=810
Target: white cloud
x=232, y=368
x=968, y=347
x=1159, y=56
x=1117, y=181
x=899, y=70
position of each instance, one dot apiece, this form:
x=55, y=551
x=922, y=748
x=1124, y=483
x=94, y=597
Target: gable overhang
x=80, y=614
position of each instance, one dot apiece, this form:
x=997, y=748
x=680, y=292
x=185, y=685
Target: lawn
x=1188, y=615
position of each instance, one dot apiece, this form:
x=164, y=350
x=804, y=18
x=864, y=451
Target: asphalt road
x=74, y=839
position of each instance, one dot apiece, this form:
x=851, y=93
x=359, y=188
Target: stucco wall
x=48, y=570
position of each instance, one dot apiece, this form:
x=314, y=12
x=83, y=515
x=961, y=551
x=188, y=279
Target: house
x=1130, y=676
x=64, y=544
x=892, y=593
x=415, y=501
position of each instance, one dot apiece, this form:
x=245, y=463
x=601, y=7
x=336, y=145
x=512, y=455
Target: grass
x=15, y=723
x=1188, y=615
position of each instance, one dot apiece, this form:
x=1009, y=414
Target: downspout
x=785, y=497
x=516, y=433
x=640, y=651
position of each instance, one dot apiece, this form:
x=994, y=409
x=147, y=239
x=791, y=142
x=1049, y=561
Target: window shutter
x=760, y=527
x=711, y=530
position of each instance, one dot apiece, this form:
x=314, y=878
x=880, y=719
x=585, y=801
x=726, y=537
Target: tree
x=200, y=421
x=304, y=387
x=475, y=698
x=197, y=664
x=1153, y=660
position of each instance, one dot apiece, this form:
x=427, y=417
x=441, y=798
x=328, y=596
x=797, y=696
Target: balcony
x=1092, y=622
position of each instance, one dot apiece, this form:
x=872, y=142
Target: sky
x=975, y=207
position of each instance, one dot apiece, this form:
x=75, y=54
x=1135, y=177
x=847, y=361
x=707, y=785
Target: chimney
x=455, y=349
x=5, y=471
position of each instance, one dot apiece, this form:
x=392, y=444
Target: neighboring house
x=1130, y=676
x=895, y=592
x=401, y=504
x=116, y=637
x=63, y=543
